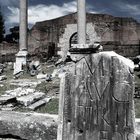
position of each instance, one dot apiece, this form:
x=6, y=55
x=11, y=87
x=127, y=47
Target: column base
x=21, y=59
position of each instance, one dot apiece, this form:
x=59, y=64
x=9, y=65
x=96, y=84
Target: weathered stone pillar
x=96, y=101
x=23, y=25
x=81, y=25
x=21, y=56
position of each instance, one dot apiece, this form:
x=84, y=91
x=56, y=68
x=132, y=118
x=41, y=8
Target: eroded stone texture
x=97, y=99
x=115, y=33
x=28, y=126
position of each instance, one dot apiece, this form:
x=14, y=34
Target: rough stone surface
x=97, y=99
x=31, y=126
x=31, y=98
x=39, y=103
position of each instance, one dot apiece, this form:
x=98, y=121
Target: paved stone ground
x=28, y=126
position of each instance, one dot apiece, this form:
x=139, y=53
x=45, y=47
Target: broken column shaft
x=23, y=25
x=81, y=26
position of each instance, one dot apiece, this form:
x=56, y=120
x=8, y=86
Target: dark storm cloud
x=128, y=8
x=45, y=9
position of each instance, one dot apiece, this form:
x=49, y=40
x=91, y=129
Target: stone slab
x=31, y=98
x=39, y=103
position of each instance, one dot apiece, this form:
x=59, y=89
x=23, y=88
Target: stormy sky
x=39, y=10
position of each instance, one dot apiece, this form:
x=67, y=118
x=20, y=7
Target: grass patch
x=45, y=86
x=51, y=107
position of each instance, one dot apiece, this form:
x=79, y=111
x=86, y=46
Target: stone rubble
x=19, y=92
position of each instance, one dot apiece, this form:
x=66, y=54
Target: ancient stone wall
x=8, y=51
x=124, y=31
x=64, y=41
x=115, y=33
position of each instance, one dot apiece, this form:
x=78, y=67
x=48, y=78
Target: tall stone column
x=23, y=25
x=81, y=26
x=21, y=56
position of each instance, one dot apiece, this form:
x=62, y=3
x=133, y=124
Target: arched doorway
x=73, y=39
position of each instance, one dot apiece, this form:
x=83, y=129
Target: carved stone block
x=96, y=100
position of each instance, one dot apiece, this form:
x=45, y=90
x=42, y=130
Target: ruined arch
x=64, y=41
x=73, y=39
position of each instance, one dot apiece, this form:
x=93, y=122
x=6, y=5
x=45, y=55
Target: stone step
x=31, y=98
x=39, y=103
x=6, y=99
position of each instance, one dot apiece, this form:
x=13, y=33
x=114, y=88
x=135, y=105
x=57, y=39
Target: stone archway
x=71, y=29
x=73, y=39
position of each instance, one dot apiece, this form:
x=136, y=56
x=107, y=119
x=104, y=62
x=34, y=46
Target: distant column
x=81, y=25
x=23, y=25
x=21, y=56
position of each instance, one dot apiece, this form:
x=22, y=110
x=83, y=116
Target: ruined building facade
x=55, y=36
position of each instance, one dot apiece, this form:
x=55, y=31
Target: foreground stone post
x=96, y=100
x=81, y=26
x=96, y=94
x=22, y=54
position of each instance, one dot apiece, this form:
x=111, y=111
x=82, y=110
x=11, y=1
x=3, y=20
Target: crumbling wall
x=64, y=41
x=119, y=34
x=114, y=32
x=8, y=51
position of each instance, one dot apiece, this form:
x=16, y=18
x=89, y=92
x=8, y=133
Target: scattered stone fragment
x=39, y=103
x=49, y=78
x=17, y=70
x=34, y=67
x=55, y=73
x=31, y=98
x=41, y=76
x=36, y=104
